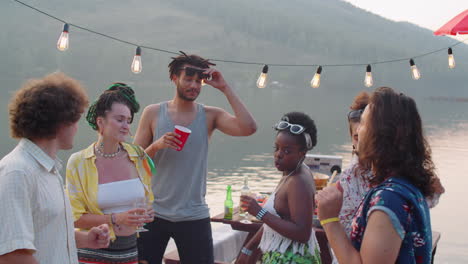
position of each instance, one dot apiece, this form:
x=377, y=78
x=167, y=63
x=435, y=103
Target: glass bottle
x=228, y=204
x=244, y=191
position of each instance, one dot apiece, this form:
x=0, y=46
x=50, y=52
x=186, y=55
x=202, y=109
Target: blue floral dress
x=407, y=209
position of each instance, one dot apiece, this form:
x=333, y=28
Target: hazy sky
x=430, y=14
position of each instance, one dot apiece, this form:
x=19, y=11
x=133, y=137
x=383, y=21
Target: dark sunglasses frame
x=190, y=71
x=355, y=115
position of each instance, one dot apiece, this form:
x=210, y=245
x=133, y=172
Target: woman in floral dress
x=392, y=224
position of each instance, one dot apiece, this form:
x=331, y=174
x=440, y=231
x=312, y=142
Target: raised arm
x=242, y=122
x=374, y=248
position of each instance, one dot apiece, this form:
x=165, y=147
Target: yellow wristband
x=329, y=220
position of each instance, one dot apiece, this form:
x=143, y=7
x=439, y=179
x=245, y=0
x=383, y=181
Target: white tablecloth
x=226, y=242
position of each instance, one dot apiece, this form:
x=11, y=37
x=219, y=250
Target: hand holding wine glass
x=248, y=204
x=142, y=204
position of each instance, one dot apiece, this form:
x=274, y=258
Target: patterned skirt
x=288, y=257
x=122, y=251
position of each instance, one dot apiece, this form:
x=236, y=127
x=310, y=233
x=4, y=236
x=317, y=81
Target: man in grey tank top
x=179, y=185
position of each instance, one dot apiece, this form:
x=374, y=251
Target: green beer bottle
x=228, y=204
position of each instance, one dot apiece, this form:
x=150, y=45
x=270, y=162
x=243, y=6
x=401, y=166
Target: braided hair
x=116, y=93
x=194, y=60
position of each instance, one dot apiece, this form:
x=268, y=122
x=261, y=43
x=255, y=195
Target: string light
x=315, y=82
x=136, y=63
x=414, y=70
x=368, y=81
x=451, y=59
x=261, y=82
x=62, y=43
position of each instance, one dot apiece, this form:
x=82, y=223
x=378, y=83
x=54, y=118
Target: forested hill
x=266, y=31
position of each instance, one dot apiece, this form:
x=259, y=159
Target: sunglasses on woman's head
x=355, y=115
x=190, y=71
x=293, y=128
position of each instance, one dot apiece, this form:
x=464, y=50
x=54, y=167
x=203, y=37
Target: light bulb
x=315, y=82
x=136, y=63
x=451, y=59
x=368, y=81
x=62, y=43
x=414, y=70
x=261, y=82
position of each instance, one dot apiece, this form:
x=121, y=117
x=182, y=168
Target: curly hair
x=394, y=144
x=304, y=120
x=116, y=93
x=194, y=60
x=41, y=106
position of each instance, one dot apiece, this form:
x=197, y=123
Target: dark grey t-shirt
x=179, y=185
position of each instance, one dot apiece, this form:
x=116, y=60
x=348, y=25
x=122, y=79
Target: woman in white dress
x=287, y=235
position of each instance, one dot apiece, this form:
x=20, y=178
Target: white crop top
x=119, y=196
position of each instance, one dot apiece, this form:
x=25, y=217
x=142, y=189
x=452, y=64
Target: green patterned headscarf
x=117, y=92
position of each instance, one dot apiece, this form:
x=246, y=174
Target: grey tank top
x=179, y=185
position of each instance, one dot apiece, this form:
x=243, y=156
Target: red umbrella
x=458, y=25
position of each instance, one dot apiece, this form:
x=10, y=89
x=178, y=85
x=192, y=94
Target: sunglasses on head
x=293, y=128
x=189, y=71
x=355, y=115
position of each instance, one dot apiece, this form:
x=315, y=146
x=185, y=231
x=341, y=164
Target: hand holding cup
x=184, y=133
x=168, y=140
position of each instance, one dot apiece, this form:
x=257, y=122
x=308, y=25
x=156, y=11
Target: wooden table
x=255, y=226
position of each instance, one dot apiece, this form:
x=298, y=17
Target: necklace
x=104, y=155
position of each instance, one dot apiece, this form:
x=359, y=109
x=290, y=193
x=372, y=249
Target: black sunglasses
x=355, y=115
x=189, y=71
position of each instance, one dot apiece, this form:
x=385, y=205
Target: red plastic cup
x=184, y=134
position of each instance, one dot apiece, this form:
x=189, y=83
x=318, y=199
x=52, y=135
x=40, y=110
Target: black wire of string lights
x=136, y=67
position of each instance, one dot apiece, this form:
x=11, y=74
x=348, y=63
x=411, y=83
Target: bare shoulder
x=302, y=182
x=150, y=114
x=212, y=115
x=152, y=109
x=213, y=110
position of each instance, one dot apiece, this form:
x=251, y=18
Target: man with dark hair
x=179, y=185
x=37, y=225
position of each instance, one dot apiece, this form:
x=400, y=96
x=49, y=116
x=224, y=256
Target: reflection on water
x=450, y=152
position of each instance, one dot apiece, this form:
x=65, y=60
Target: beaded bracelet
x=113, y=220
x=246, y=251
x=261, y=214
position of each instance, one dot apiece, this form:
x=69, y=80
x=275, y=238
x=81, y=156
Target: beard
x=185, y=98
x=181, y=95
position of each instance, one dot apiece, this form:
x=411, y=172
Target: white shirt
x=35, y=213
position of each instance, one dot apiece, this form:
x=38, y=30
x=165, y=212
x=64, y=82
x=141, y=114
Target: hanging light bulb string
x=234, y=61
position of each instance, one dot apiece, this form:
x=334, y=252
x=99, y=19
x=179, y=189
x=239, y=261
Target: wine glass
x=243, y=209
x=141, y=203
